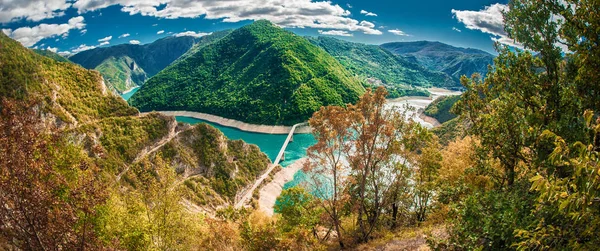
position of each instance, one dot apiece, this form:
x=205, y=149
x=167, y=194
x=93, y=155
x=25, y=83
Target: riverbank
x=267, y=129
x=270, y=192
x=130, y=90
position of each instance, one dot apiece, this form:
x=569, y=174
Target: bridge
x=246, y=195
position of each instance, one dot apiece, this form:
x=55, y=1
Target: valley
x=299, y=125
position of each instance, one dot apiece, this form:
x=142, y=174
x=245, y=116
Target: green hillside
x=105, y=132
x=437, y=56
x=51, y=55
x=121, y=73
x=127, y=65
x=259, y=74
x=375, y=63
x=440, y=109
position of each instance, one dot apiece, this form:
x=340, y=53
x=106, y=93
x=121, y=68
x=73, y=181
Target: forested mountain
x=373, y=62
x=259, y=74
x=128, y=65
x=51, y=55
x=445, y=58
x=73, y=145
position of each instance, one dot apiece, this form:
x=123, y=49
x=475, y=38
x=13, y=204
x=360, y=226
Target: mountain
x=375, y=63
x=445, y=58
x=51, y=55
x=259, y=73
x=91, y=124
x=441, y=108
x=129, y=65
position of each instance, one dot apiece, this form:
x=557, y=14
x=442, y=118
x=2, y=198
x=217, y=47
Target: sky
x=71, y=26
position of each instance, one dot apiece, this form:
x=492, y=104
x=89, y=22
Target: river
x=270, y=144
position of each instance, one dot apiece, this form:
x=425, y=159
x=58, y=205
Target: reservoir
x=126, y=96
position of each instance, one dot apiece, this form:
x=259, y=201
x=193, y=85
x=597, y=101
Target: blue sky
x=71, y=26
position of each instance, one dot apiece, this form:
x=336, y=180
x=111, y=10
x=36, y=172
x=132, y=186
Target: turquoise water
x=270, y=144
x=128, y=95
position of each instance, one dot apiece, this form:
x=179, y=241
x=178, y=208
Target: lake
x=126, y=96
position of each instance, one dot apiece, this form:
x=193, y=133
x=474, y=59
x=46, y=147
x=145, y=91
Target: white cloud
x=368, y=14
x=489, y=20
x=52, y=49
x=125, y=35
x=134, y=42
x=349, y=6
x=160, y=32
x=106, y=39
x=397, y=32
x=154, y=25
x=81, y=48
x=83, y=31
x=31, y=10
x=456, y=29
x=192, y=34
x=316, y=14
x=104, y=43
x=29, y=36
x=336, y=33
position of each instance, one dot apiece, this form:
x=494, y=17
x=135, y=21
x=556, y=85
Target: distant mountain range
x=445, y=58
x=127, y=65
x=375, y=63
x=260, y=74
x=263, y=74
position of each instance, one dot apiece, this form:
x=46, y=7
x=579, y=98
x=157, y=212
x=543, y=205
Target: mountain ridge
x=259, y=74
x=438, y=56
x=150, y=58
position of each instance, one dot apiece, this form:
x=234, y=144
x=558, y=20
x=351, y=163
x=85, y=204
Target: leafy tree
x=527, y=114
x=49, y=191
x=298, y=209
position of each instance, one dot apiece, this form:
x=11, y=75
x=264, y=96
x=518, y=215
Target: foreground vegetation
x=523, y=175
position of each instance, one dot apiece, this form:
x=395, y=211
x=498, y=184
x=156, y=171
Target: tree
x=49, y=191
x=528, y=115
x=325, y=165
x=426, y=178
x=298, y=209
x=364, y=155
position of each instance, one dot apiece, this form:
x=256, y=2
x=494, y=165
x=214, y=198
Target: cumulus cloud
x=368, y=14
x=192, y=34
x=134, y=42
x=489, y=20
x=456, y=29
x=397, y=32
x=285, y=13
x=31, y=10
x=104, y=43
x=29, y=36
x=52, y=49
x=125, y=35
x=336, y=33
x=106, y=39
x=160, y=32
x=81, y=48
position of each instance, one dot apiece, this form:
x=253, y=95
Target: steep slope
x=441, y=108
x=51, y=55
x=149, y=59
x=121, y=73
x=73, y=103
x=371, y=61
x=438, y=56
x=259, y=74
